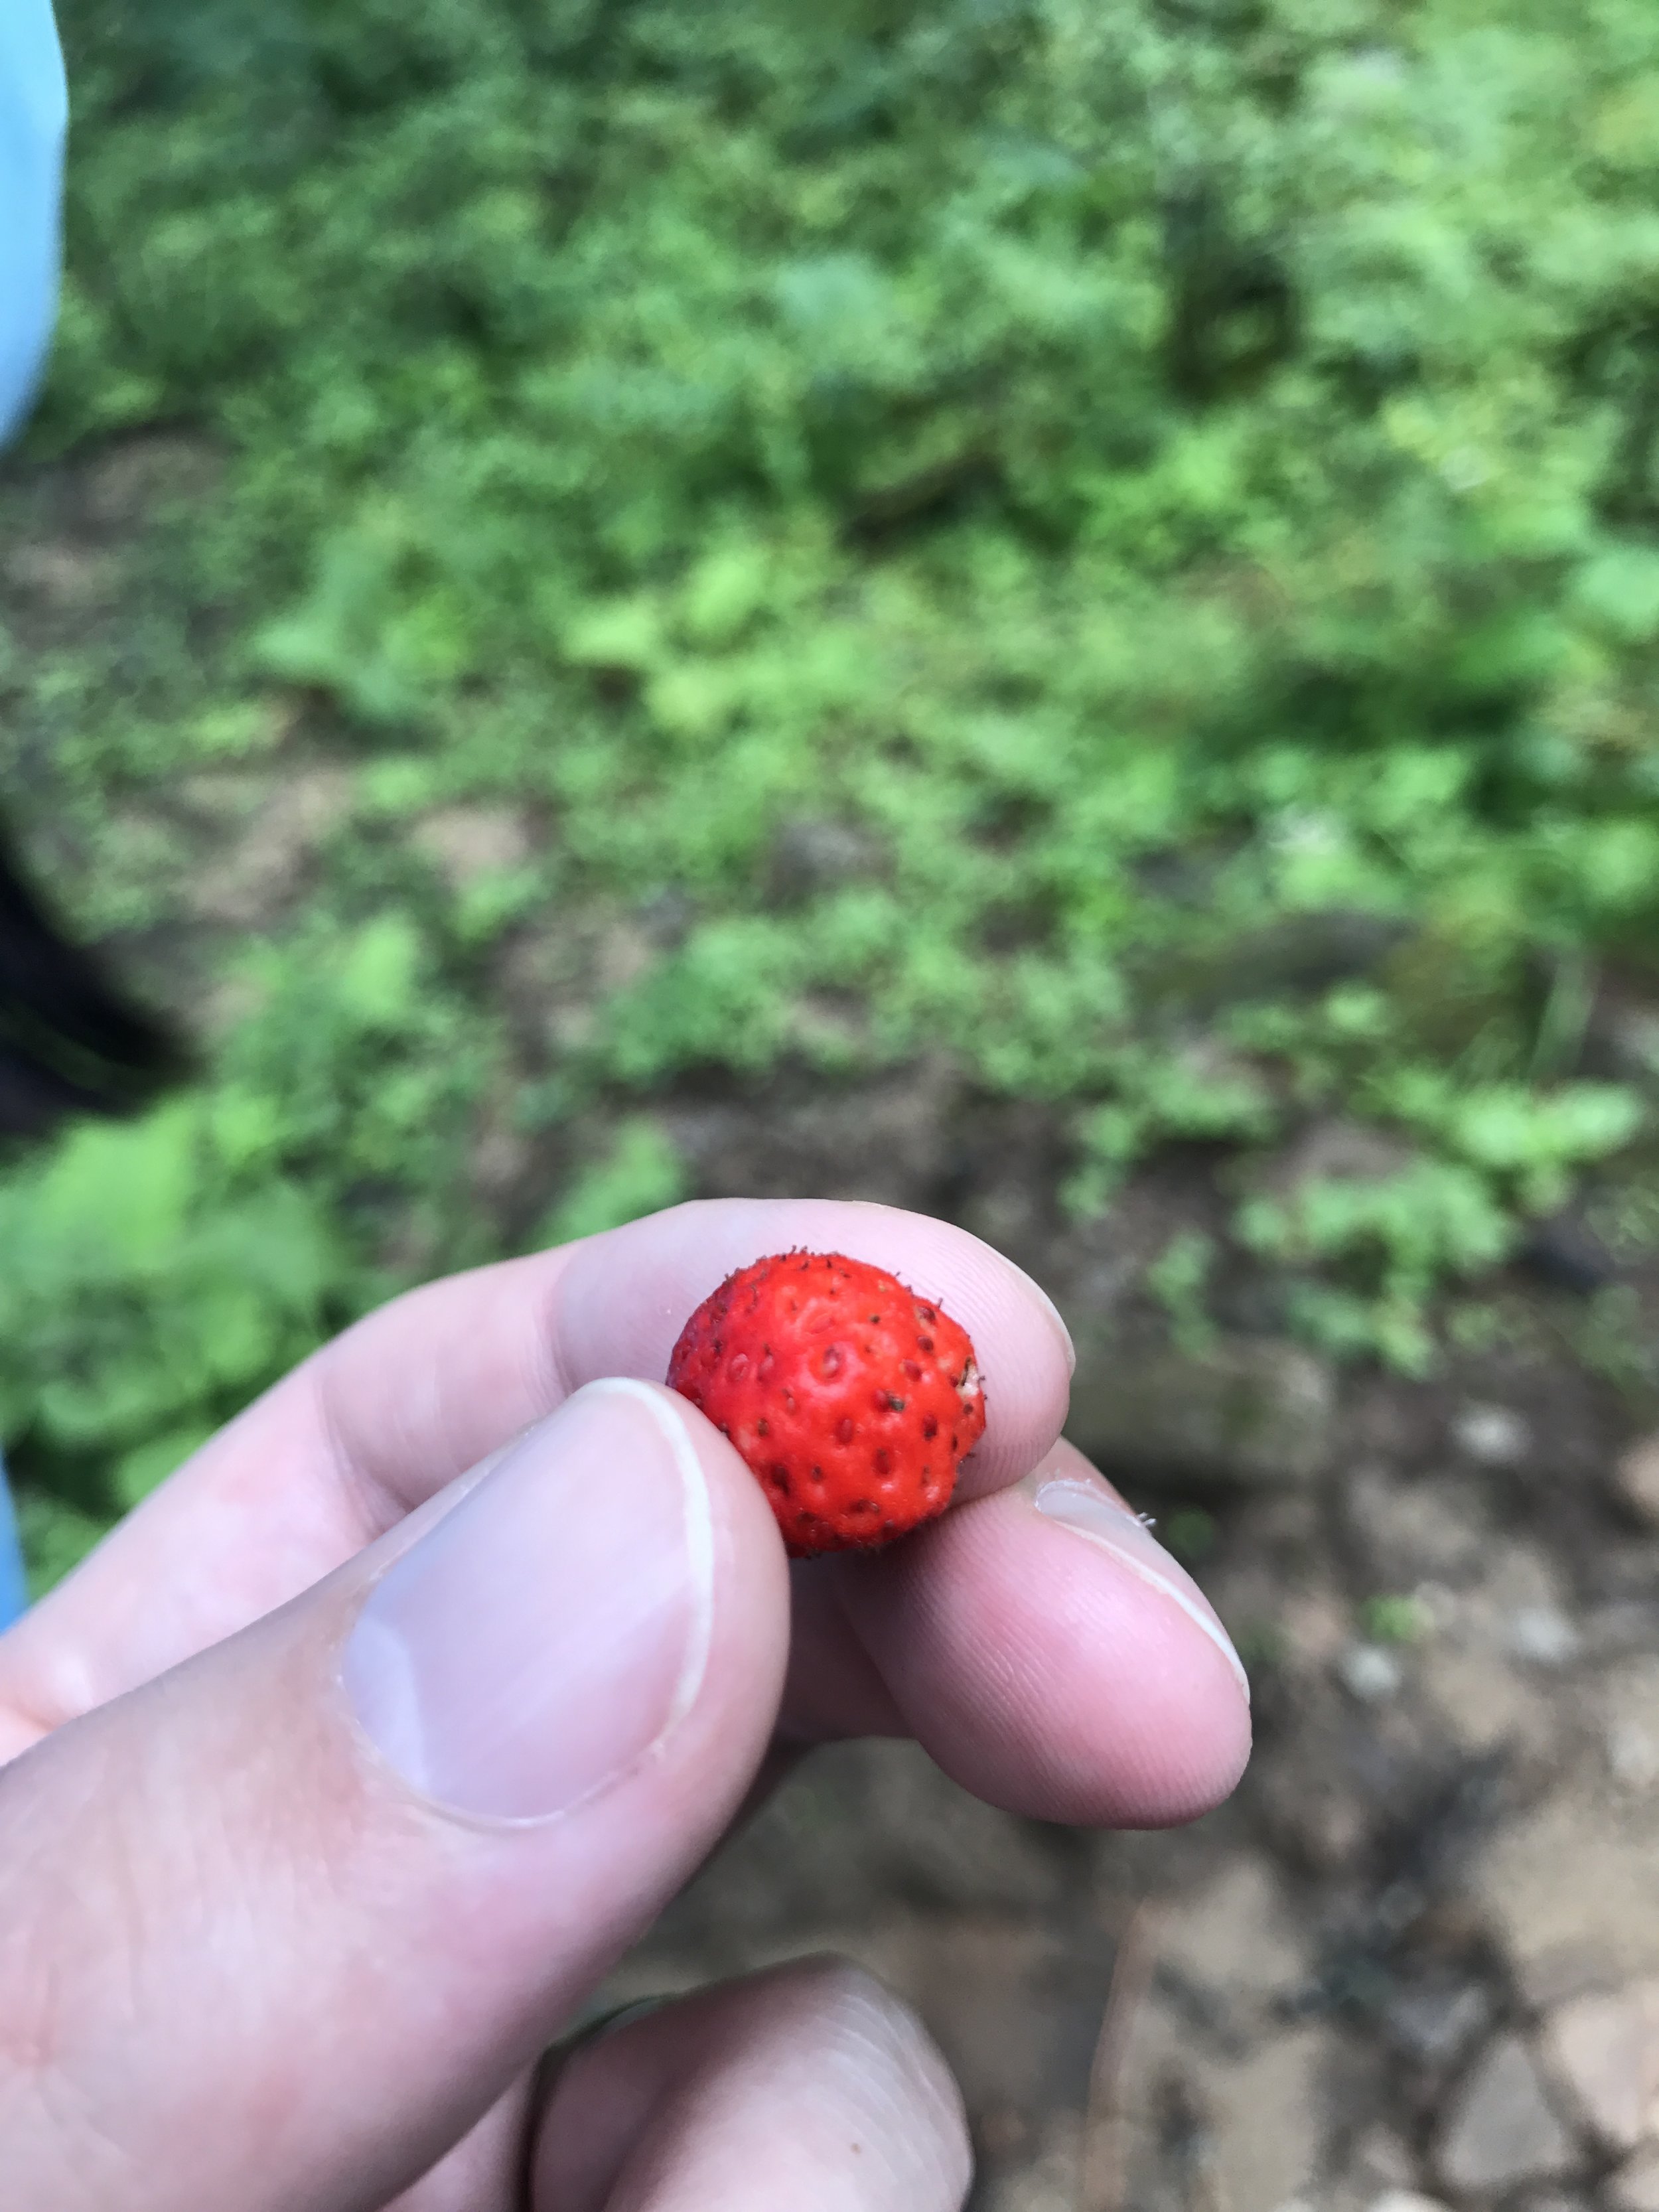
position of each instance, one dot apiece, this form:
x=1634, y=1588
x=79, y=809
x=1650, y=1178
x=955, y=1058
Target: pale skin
x=244, y=1963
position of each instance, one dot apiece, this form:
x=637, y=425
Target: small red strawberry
x=852, y=1398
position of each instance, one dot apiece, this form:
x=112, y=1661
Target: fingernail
x=1079, y=1504
x=553, y=1629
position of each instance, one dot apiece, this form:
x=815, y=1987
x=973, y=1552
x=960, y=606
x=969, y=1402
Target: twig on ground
x=1102, y=2176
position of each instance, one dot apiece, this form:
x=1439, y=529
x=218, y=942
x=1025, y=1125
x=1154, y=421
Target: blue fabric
x=34, y=116
x=14, y=1591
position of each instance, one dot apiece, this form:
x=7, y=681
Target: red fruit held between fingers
x=852, y=1400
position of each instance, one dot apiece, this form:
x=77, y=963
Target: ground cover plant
x=1111, y=541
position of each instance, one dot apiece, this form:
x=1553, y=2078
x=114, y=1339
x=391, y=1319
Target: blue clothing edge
x=34, y=117
x=14, y=1581
x=34, y=114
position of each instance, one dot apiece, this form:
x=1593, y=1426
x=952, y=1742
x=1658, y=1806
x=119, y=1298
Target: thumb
x=278, y=1928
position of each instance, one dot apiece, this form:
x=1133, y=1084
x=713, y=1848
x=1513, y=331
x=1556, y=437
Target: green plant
x=1177, y=1280
x=1115, y=550
x=1394, y=1619
x=147, y=1293
x=640, y=1172
x=1386, y=1247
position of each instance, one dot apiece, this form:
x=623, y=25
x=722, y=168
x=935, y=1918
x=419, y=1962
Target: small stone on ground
x=1501, y=2130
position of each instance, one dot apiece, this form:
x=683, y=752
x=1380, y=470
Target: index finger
x=388, y=1415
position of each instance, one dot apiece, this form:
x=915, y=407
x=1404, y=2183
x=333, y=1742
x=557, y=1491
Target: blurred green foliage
x=1171, y=483
x=1396, y=1620
x=640, y=1172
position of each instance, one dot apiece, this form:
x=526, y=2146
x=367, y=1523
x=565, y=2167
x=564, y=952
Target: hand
x=344, y=1770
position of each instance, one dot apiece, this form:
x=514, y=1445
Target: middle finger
x=1041, y=1646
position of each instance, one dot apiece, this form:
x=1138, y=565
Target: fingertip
x=807, y=2082
x=1050, y=1674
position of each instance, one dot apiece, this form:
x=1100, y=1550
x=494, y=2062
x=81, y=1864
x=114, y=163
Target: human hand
x=344, y=1770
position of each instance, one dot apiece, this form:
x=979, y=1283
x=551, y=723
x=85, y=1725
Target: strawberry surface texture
x=852, y=1400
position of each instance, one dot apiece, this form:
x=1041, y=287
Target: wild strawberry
x=852, y=1400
